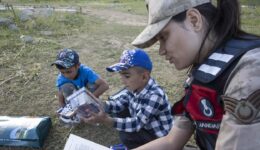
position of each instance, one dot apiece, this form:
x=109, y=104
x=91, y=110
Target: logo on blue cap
x=67, y=58
x=132, y=58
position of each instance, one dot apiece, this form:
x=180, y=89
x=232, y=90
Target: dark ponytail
x=226, y=23
x=223, y=20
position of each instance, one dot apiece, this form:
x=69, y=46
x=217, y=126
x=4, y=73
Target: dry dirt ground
x=38, y=96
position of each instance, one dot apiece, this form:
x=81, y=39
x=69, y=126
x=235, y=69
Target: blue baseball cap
x=132, y=58
x=67, y=58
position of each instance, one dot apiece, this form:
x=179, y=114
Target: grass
x=27, y=81
x=251, y=20
x=250, y=2
x=133, y=6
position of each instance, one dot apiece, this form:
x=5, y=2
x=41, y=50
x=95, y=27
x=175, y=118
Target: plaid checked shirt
x=149, y=109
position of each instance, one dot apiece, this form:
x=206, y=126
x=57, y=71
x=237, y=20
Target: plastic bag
x=24, y=131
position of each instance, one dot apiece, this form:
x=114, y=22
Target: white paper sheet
x=77, y=143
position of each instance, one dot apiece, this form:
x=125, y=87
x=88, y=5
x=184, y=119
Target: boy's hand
x=96, y=118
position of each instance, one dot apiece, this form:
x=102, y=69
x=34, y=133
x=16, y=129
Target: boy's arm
x=149, y=110
x=100, y=117
x=61, y=99
x=116, y=105
x=111, y=106
x=100, y=87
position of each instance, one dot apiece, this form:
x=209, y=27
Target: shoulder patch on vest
x=221, y=59
x=246, y=110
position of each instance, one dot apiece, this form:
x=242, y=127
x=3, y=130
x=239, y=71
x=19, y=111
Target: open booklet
x=79, y=102
x=77, y=143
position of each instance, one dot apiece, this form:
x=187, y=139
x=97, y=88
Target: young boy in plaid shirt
x=141, y=112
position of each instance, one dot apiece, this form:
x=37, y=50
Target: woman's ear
x=194, y=19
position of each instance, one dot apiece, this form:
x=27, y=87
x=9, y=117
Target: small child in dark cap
x=73, y=76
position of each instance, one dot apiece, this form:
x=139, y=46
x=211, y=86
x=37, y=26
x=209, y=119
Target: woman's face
x=180, y=43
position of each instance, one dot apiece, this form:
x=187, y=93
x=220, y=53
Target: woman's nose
x=162, y=50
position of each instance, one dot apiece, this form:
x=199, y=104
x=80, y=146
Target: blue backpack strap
x=222, y=58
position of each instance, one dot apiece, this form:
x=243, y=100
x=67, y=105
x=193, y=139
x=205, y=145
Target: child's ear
x=146, y=76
